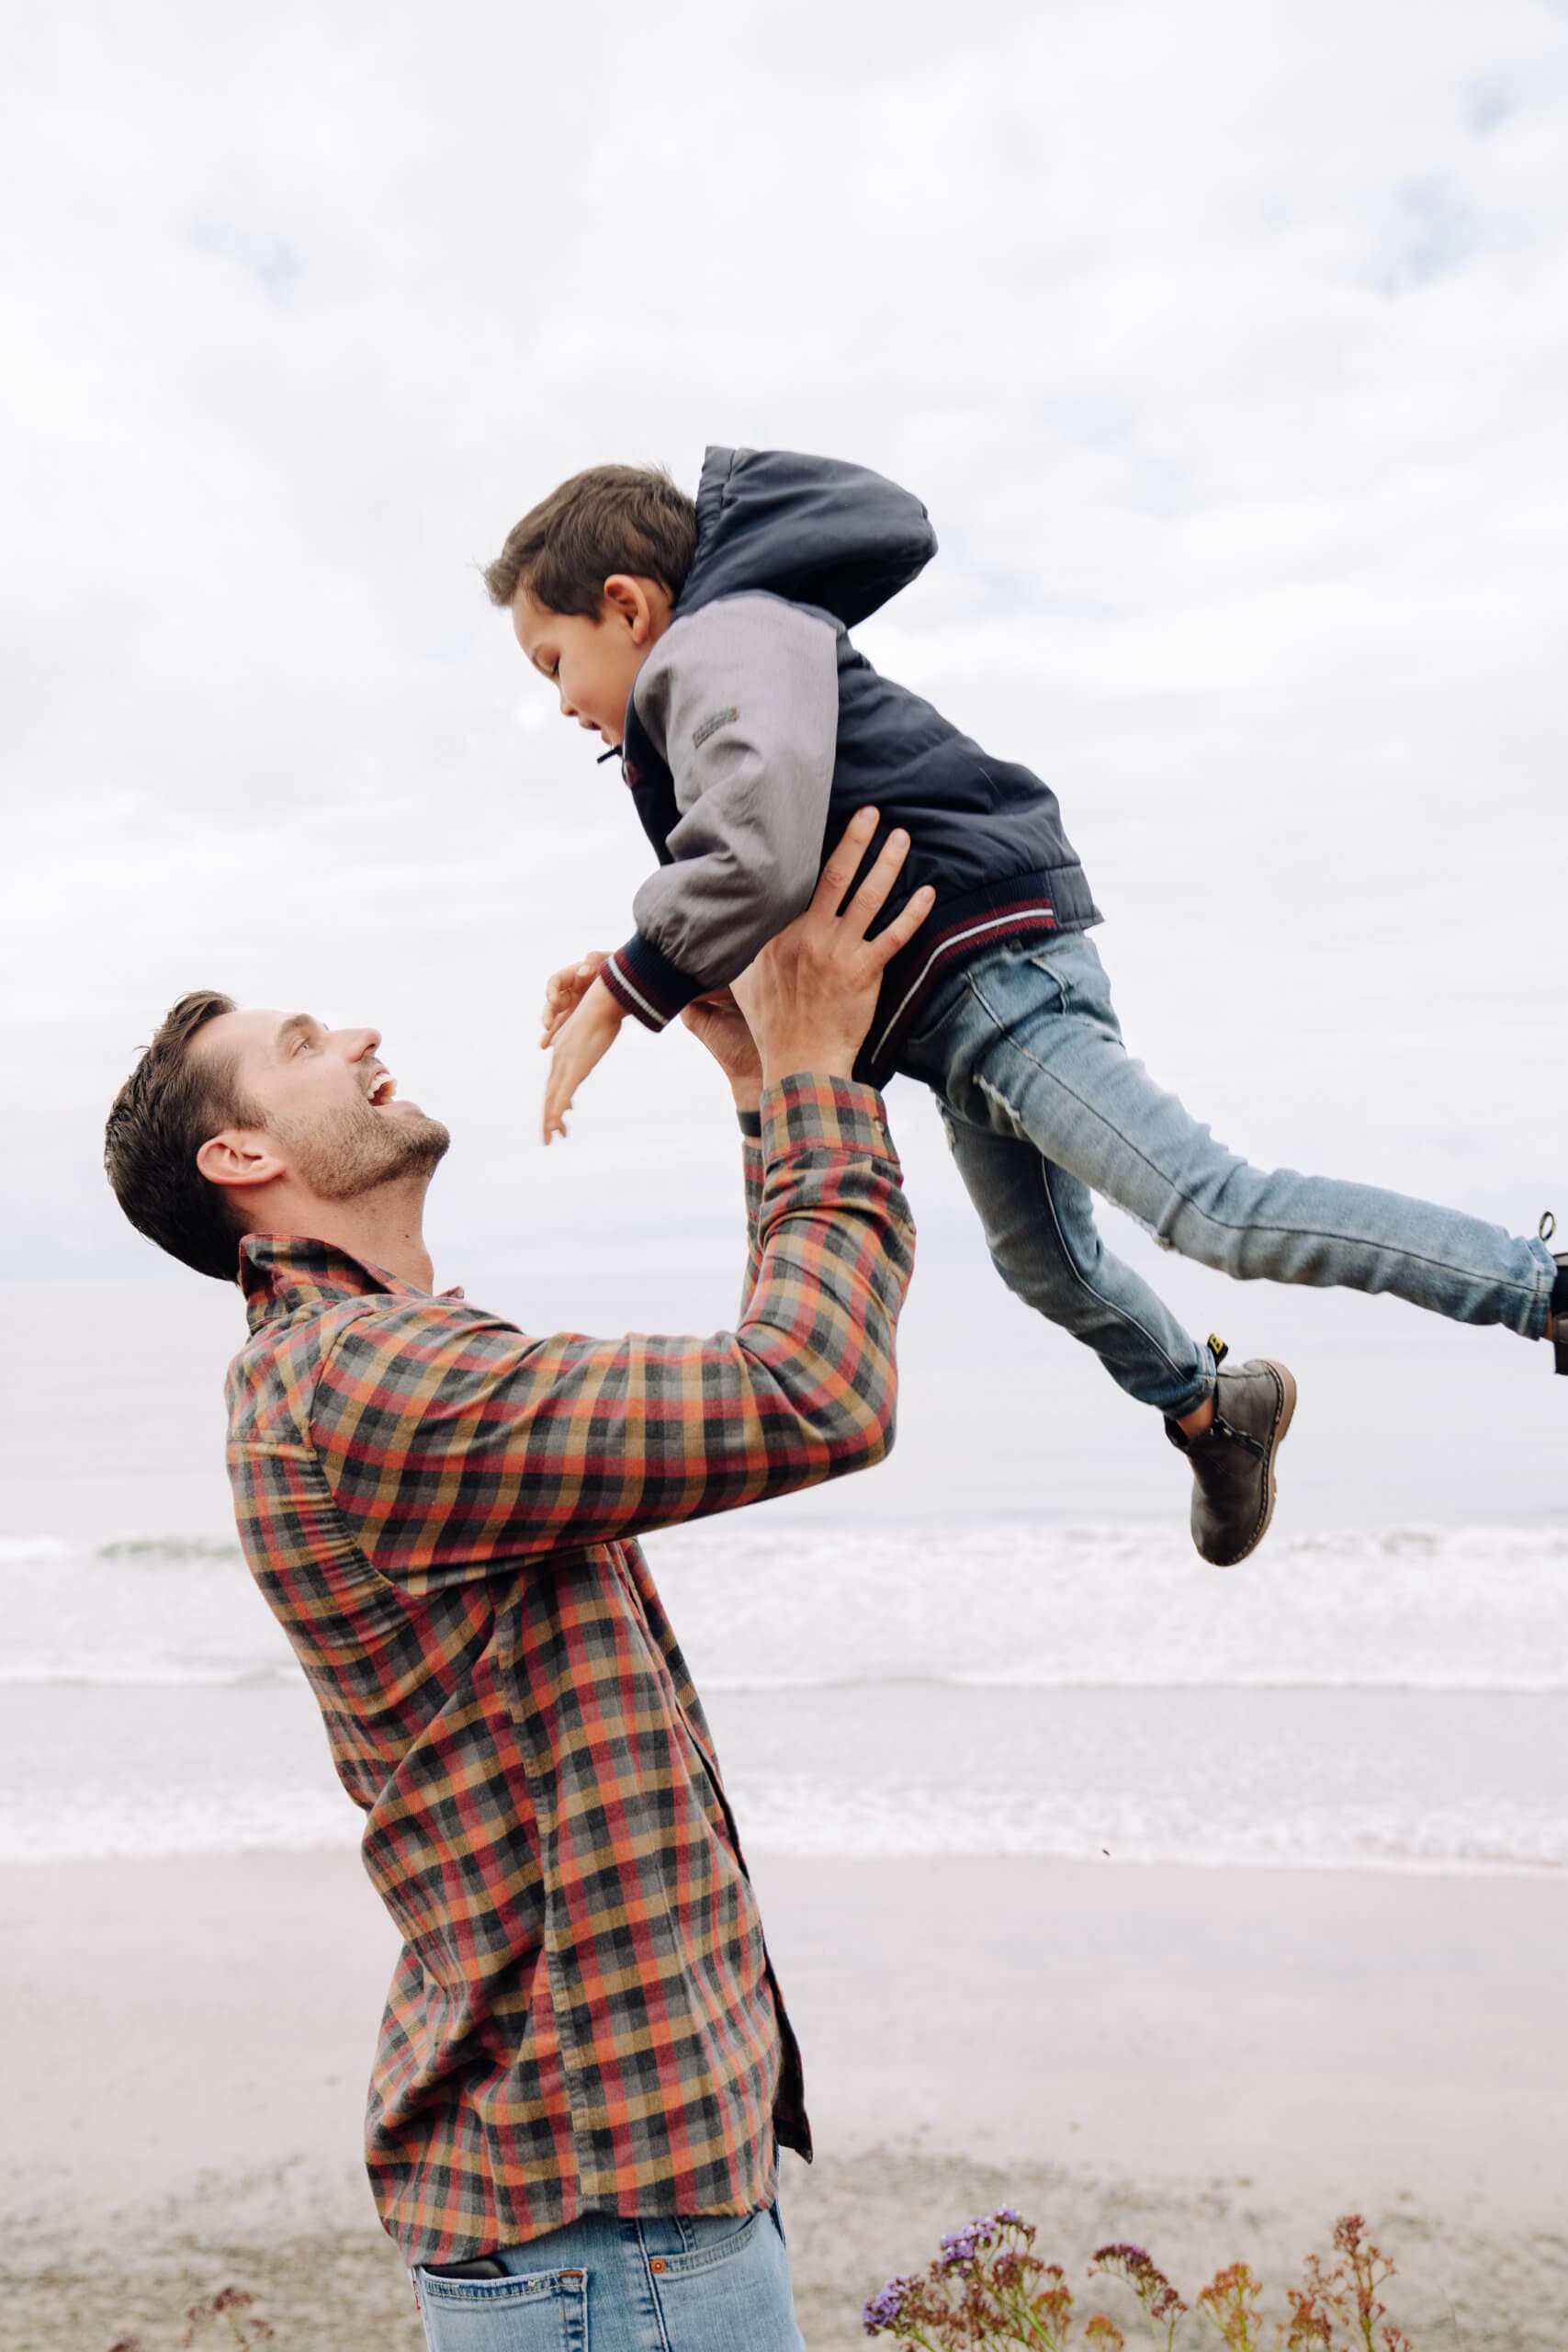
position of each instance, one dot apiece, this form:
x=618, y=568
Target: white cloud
x=1226, y=345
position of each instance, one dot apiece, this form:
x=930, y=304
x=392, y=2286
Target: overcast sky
x=1226, y=344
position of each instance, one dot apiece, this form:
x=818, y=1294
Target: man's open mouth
x=386, y=1086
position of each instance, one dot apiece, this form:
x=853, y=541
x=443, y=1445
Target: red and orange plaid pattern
x=442, y=1512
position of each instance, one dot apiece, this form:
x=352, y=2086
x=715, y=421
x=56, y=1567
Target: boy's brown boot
x=1233, y=1462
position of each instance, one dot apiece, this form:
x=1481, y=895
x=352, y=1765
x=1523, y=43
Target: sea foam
x=1003, y=1605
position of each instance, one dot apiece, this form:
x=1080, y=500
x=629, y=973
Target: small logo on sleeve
x=711, y=727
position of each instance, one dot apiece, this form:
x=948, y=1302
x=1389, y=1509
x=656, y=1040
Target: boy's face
x=592, y=663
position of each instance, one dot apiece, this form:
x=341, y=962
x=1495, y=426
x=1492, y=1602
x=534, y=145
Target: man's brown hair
x=170, y=1104
x=612, y=518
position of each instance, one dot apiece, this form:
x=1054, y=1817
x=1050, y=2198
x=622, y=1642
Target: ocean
x=910, y=1663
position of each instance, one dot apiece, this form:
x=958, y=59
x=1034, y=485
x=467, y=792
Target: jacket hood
x=812, y=529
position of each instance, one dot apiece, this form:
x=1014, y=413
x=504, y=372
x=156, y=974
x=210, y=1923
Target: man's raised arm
x=456, y=1445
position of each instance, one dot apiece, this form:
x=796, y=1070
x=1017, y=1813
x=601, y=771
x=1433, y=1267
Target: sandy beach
x=1214, y=2062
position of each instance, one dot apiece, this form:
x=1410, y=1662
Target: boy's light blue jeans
x=706, y=2282
x=1043, y=1107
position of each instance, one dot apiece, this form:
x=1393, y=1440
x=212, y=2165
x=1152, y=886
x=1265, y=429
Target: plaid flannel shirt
x=441, y=1511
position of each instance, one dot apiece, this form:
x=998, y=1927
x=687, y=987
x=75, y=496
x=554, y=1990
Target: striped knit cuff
x=753, y=1169
x=645, y=982
x=825, y=1113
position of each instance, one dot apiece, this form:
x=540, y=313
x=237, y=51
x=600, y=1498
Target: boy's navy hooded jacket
x=755, y=730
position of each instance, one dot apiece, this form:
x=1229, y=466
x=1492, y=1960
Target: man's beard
x=356, y=1152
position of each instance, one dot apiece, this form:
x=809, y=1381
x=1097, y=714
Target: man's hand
x=582, y=1039
x=565, y=989
x=809, y=997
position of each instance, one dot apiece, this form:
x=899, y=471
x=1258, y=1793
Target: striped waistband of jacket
x=958, y=929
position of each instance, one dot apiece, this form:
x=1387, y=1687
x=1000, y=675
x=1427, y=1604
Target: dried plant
x=1162, y=2306
x=1340, y=2306
x=986, y=2288
x=1230, y=2299
x=223, y=2310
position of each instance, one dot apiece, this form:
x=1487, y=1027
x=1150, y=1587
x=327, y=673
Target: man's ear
x=239, y=1155
x=628, y=600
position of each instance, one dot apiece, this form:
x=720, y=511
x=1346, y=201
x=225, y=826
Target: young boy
x=707, y=644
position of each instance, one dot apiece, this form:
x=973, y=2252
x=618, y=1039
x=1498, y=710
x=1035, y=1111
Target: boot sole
x=1284, y=1413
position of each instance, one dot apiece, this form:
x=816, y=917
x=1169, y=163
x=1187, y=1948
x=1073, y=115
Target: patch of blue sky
x=1437, y=236
x=1489, y=107
x=1008, y=590
x=271, y=262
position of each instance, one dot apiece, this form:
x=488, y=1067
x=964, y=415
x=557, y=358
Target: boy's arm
x=579, y=1045
x=743, y=699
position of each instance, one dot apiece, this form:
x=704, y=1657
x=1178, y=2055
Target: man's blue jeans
x=1043, y=1107
x=706, y=2282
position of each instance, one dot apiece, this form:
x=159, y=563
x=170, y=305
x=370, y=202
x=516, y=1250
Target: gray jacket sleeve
x=743, y=701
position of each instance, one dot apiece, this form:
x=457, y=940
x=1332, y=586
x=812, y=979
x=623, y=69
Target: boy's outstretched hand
x=806, y=1002
x=580, y=1038
x=565, y=989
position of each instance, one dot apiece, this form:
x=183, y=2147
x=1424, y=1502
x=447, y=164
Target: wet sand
x=1213, y=2062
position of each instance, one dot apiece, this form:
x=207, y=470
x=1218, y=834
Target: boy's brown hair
x=170, y=1104
x=612, y=518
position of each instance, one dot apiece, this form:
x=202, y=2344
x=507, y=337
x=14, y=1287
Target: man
x=584, y=2065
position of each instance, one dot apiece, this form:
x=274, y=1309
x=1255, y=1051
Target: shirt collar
x=280, y=1273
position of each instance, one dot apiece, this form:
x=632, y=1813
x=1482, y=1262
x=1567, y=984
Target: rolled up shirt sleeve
x=743, y=700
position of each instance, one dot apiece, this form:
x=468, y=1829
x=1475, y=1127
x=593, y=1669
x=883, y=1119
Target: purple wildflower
x=886, y=2308
x=964, y=2245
